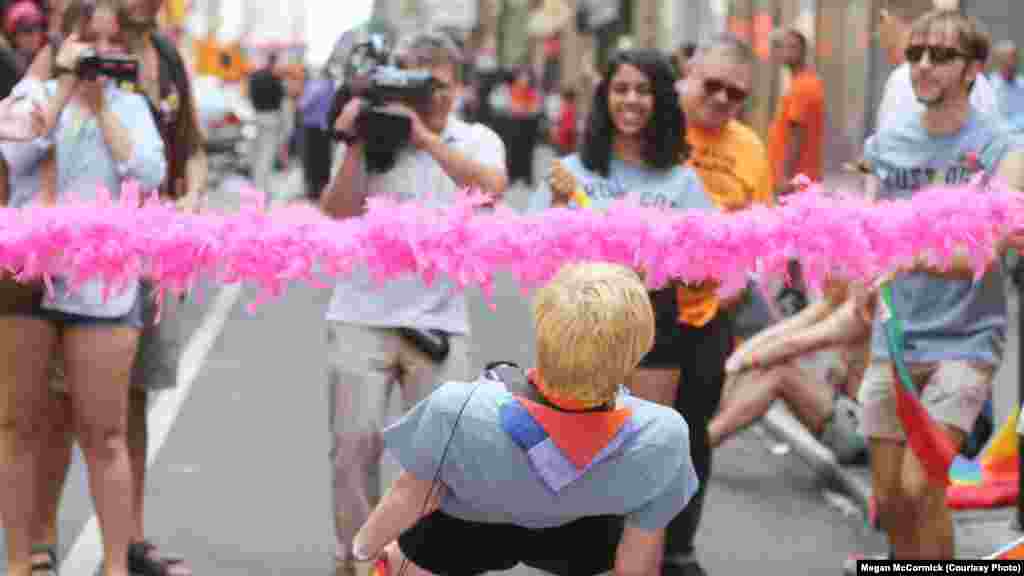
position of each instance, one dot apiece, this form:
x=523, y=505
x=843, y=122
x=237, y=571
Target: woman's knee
x=102, y=440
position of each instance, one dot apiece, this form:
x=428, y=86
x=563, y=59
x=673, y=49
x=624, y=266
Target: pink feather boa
x=838, y=235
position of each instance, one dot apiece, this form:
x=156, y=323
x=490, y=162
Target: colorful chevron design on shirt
x=563, y=446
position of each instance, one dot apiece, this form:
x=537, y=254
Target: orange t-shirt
x=734, y=169
x=804, y=104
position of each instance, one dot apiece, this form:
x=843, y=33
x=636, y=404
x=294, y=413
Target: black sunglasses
x=936, y=54
x=735, y=94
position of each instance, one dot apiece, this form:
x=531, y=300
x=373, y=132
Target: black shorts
x=446, y=545
x=667, y=331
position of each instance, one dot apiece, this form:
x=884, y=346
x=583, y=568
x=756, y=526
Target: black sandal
x=145, y=560
x=46, y=567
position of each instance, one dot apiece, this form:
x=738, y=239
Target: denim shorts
x=63, y=319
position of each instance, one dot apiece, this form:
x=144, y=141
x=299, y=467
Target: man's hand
x=346, y=121
x=420, y=135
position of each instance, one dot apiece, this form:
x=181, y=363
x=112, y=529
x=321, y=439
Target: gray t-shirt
x=943, y=319
x=677, y=188
x=408, y=301
x=490, y=478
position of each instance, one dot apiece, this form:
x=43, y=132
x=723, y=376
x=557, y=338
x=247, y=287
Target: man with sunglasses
x=898, y=99
x=955, y=327
x=733, y=166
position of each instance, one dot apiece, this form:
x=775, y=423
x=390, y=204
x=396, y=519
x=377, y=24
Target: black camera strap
x=493, y=372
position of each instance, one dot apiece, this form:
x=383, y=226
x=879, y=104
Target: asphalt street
x=239, y=481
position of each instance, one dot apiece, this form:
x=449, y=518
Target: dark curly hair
x=664, y=135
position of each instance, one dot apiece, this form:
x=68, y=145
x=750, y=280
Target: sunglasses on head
x=936, y=54
x=713, y=86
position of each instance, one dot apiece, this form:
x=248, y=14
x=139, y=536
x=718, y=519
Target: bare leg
x=894, y=511
x=26, y=346
x=98, y=360
x=932, y=535
x=138, y=437
x=655, y=384
x=749, y=398
x=54, y=462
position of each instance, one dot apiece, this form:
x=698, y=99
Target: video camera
x=118, y=67
x=370, y=74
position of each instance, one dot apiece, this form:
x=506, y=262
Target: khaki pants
x=364, y=366
x=265, y=147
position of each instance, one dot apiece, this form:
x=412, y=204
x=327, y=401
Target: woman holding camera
x=101, y=136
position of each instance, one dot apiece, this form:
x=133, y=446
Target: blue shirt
x=84, y=163
x=678, y=187
x=943, y=319
x=490, y=479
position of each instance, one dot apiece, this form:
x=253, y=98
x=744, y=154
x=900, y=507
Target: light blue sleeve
x=992, y=154
x=692, y=193
x=540, y=199
x=672, y=464
x=418, y=440
x=148, y=164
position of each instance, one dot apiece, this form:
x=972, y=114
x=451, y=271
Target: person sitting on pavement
x=565, y=472
x=769, y=367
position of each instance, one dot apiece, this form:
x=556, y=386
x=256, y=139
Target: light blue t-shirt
x=489, y=477
x=85, y=163
x=943, y=319
x=677, y=188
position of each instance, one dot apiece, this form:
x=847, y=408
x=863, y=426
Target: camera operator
x=404, y=333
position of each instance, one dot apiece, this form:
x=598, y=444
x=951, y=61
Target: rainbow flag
x=990, y=480
x=984, y=482
x=930, y=444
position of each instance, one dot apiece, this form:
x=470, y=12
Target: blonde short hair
x=594, y=322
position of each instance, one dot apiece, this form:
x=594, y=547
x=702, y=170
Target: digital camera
x=370, y=74
x=118, y=67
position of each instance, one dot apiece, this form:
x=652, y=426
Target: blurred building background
x=514, y=33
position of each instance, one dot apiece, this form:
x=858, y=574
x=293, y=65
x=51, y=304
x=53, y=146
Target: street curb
x=818, y=457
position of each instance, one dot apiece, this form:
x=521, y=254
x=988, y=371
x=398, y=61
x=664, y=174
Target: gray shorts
x=953, y=392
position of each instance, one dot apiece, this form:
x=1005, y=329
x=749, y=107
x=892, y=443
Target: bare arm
x=196, y=175
x=465, y=171
x=639, y=552
x=346, y=195
x=408, y=500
